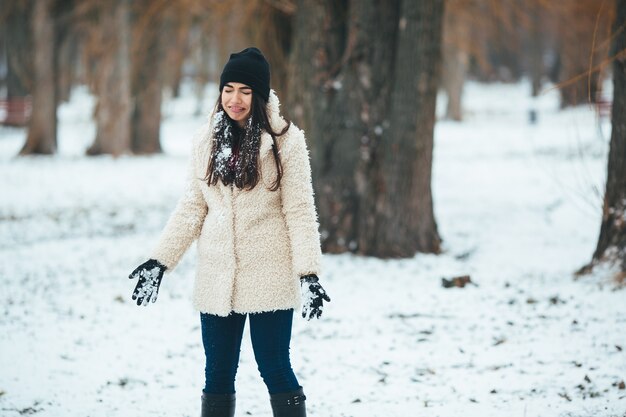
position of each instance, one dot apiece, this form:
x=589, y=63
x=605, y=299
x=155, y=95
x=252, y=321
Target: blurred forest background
x=361, y=77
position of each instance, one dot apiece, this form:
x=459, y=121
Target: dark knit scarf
x=235, y=150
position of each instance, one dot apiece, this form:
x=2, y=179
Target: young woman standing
x=249, y=203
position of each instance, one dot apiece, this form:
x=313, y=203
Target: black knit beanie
x=248, y=67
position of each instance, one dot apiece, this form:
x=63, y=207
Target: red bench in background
x=15, y=111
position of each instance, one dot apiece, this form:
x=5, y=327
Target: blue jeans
x=270, y=333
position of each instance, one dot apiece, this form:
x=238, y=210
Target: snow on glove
x=313, y=296
x=150, y=274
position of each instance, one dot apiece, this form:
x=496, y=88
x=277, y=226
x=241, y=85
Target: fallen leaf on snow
x=459, y=281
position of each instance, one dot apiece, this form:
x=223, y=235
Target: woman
x=249, y=202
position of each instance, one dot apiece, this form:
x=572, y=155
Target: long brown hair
x=248, y=176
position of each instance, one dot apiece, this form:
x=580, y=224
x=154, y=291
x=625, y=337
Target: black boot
x=289, y=404
x=218, y=405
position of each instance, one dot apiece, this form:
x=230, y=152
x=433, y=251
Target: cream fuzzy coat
x=253, y=245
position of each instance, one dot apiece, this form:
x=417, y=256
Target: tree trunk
x=345, y=68
x=66, y=49
x=17, y=43
x=535, y=49
x=17, y=34
x=42, y=131
x=317, y=45
x=340, y=65
x=147, y=85
x=577, y=50
x=205, y=58
x=319, y=40
x=270, y=27
x=503, y=48
x=174, y=44
x=113, y=81
x=454, y=70
x=612, y=241
x=406, y=219
x=455, y=59
x=581, y=90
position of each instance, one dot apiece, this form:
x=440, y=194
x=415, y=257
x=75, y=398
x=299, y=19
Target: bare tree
x=580, y=26
x=175, y=34
x=147, y=76
x=269, y=25
x=611, y=245
x=456, y=52
x=42, y=131
x=112, y=80
x=407, y=221
x=535, y=49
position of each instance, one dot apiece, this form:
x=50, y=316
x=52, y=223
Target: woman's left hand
x=313, y=296
x=150, y=274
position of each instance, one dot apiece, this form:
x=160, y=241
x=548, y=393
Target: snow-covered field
x=518, y=207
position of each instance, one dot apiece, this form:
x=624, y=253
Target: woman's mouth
x=236, y=109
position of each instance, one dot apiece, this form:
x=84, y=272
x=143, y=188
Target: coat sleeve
x=298, y=206
x=185, y=223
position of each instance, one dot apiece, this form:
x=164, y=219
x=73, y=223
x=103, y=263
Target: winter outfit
x=258, y=250
x=253, y=245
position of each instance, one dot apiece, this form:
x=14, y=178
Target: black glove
x=313, y=296
x=150, y=274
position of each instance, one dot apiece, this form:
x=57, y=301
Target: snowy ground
x=518, y=206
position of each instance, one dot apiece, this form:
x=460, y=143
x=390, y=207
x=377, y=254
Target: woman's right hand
x=150, y=274
x=313, y=296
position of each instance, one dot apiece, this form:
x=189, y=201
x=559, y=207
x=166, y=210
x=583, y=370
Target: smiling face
x=237, y=102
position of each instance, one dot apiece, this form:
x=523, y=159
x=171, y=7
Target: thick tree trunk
x=407, y=222
x=612, y=241
x=376, y=75
x=270, y=27
x=113, y=81
x=340, y=65
x=42, y=131
x=147, y=85
x=344, y=91
x=319, y=41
